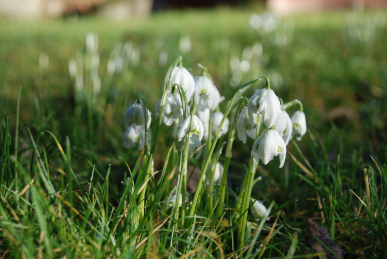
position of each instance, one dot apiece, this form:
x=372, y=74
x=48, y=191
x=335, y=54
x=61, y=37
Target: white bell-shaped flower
x=269, y=145
x=136, y=115
x=266, y=102
x=284, y=127
x=170, y=202
x=215, y=98
x=203, y=92
x=245, y=126
x=299, y=124
x=217, y=174
x=172, y=110
x=204, y=116
x=133, y=136
x=258, y=210
x=216, y=120
x=191, y=126
x=181, y=76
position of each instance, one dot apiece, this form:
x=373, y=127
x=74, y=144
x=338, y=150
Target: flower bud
x=299, y=124
x=258, y=210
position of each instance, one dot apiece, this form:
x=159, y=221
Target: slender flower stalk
x=228, y=155
x=247, y=191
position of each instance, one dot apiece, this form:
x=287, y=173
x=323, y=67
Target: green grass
x=69, y=188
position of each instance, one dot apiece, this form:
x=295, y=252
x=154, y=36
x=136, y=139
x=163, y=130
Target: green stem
x=228, y=155
x=142, y=194
x=184, y=179
x=246, y=201
x=292, y=103
x=247, y=189
x=209, y=132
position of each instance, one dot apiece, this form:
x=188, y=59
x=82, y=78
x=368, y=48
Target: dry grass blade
x=303, y=168
x=154, y=231
x=267, y=238
x=27, y=187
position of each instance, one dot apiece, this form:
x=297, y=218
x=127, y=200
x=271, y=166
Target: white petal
x=281, y=146
x=241, y=127
x=272, y=109
x=215, y=98
x=183, y=77
x=203, y=92
x=216, y=120
x=184, y=128
x=131, y=137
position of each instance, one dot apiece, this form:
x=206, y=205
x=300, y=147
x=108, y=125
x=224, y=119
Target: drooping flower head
x=245, y=126
x=173, y=109
x=258, y=210
x=136, y=115
x=191, y=126
x=284, y=127
x=181, y=76
x=269, y=145
x=133, y=137
x=267, y=103
x=204, y=116
x=216, y=120
x=299, y=124
x=203, y=92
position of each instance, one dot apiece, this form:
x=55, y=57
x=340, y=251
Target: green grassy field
x=69, y=188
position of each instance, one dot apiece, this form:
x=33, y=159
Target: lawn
x=70, y=188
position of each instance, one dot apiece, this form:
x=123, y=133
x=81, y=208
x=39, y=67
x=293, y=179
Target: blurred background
x=78, y=63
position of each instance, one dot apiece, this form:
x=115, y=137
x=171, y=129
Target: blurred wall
x=295, y=6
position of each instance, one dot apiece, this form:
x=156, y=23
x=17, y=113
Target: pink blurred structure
x=296, y=6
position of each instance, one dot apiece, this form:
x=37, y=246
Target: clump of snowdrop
x=264, y=110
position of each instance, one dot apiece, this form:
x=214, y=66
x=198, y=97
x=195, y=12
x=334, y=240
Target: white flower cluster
x=279, y=126
x=200, y=92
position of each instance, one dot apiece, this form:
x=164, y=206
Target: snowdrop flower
x=135, y=114
x=92, y=42
x=181, y=76
x=172, y=200
x=203, y=92
x=215, y=98
x=191, y=126
x=217, y=174
x=172, y=109
x=204, y=116
x=216, y=120
x=269, y=145
x=258, y=210
x=133, y=136
x=266, y=102
x=284, y=127
x=299, y=124
x=245, y=126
